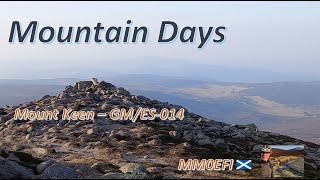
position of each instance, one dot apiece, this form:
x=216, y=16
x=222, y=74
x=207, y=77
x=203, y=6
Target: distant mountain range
x=191, y=69
x=297, y=149
x=291, y=152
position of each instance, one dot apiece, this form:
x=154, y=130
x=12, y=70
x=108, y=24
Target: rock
x=234, y=146
x=104, y=106
x=153, y=137
x=17, y=147
x=63, y=95
x=94, y=96
x=13, y=157
x=70, y=122
x=105, y=85
x=9, y=138
x=312, y=165
x=113, y=175
x=69, y=88
x=90, y=132
x=138, y=175
x=30, y=129
x=203, y=142
x=84, y=138
x=44, y=165
x=133, y=167
x=122, y=91
x=86, y=171
x=233, y=130
x=62, y=123
x=83, y=85
x=13, y=132
x=154, y=169
x=213, y=129
x=154, y=142
x=11, y=169
x=46, y=96
x=175, y=135
x=128, y=102
x=69, y=145
x=28, y=136
x=221, y=144
x=43, y=151
x=239, y=136
x=186, y=145
x=121, y=135
x=187, y=136
x=142, y=99
x=11, y=121
x=141, y=145
x=177, y=128
x=57, y=171
x=80, y=123
x=2, y=111
x=104, y=167
x=46, y=137
x=226, y=128
x=94, y=81
x=89, y=89
x=251, y=127
x=53, y=130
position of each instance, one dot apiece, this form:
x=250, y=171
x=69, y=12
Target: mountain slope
x=141, y=149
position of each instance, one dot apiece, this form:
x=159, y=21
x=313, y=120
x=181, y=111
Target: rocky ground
x=103, y=148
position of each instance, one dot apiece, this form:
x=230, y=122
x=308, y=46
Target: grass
x=284, y=159
x=285, y=173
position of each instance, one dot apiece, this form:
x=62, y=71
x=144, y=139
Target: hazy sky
x=279, y=36
x=286, y=147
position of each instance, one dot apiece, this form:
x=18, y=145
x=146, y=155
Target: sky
x=286, y=147
x=281, y=37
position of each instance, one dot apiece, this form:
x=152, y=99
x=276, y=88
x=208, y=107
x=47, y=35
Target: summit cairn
x=95, y=81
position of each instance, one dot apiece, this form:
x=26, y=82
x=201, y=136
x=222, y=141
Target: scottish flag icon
x=243, y=164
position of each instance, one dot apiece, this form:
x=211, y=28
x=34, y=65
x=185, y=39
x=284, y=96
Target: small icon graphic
x=243, y=164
